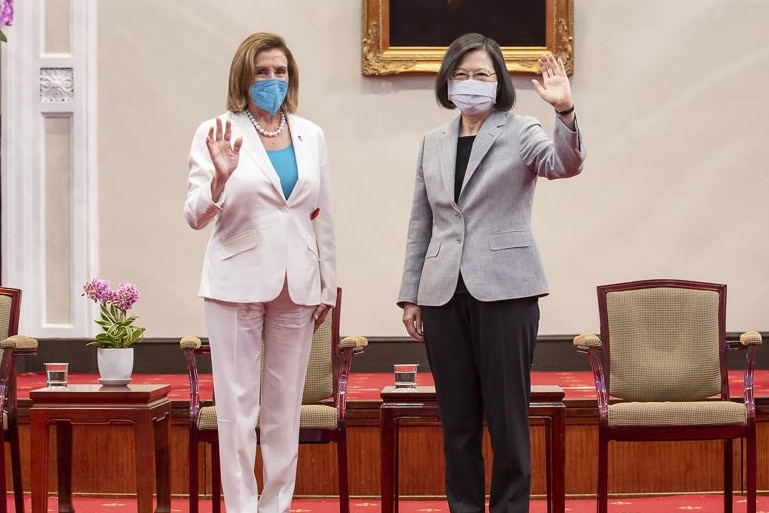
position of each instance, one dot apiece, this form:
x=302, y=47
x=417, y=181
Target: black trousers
x=480, y=354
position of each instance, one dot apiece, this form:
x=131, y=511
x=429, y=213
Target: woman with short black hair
x=473, y=274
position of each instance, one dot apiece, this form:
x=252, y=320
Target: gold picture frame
x=379, y=57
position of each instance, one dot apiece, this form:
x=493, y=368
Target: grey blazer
x=487, y=234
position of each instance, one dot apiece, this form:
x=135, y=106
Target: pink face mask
x=472, y=96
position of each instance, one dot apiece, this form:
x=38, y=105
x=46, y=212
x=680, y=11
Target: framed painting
x=411, y=36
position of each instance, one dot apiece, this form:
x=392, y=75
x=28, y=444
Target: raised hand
x=224, y=155
x=555, y=88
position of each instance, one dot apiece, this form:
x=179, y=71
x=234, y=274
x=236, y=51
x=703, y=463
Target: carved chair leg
x=341, y=456
x=751, y=464
x=216, y=479
x=603, y=471
x=3, y=503
x=728, y=462
x=193, y=472
x=18, y=488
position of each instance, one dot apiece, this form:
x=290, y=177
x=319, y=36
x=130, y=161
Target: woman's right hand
x=412, y=319
x=224, y=155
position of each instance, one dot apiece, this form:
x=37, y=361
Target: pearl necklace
x=268, y=133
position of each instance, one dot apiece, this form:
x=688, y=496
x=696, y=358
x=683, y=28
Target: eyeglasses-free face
x=271, y=63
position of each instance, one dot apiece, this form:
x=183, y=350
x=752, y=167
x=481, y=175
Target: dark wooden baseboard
x=163, y=356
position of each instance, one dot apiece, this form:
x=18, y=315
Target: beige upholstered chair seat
x=318, y=416
x=313, y=416
x=697, y=413
x=207, y=418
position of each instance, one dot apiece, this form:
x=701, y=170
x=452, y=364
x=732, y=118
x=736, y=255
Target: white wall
x=670, y=95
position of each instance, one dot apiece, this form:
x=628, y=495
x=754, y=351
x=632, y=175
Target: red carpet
x=698, y=503
x=366, y=386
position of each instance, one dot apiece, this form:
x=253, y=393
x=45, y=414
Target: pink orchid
x=6, y=13
x=118, y=329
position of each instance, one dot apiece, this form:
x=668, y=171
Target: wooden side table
x=421, y=403
x=146, y=407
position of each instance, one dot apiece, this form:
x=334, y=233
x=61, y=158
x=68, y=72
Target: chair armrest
x=190, y=342
x=348, y=348
x=13, y=346
x=189, y=345
x=751, y=338
x=21, y=345
x=585, y=341
x=746, y=340
x=590, y=345
x=354, y=342
x=750, y=341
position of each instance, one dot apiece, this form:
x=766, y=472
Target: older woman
x=260, y=174
x=472, y=274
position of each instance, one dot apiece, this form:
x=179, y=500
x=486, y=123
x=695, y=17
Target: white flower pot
x=115, y=365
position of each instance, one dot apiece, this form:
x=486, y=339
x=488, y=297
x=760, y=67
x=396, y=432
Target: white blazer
x=260, y=238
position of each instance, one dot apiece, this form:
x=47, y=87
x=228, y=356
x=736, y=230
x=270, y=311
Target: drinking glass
x=56, y=374
x=405, y=375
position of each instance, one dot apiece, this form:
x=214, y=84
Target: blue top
x=284, y=162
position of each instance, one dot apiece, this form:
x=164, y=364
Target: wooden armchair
x=660, y=373
x=323, y=404
x=11, y=346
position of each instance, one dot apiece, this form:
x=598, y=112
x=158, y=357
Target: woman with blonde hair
x=260, y=174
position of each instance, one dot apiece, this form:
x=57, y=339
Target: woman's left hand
x=319, y=315
x=555, y=88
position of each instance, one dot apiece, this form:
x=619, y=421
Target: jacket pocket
x=433, y=248
x=236, y=244
x=510, y=239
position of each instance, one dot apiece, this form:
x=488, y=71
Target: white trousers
x=236, y=332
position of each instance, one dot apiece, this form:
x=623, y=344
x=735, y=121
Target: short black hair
x=454, y=54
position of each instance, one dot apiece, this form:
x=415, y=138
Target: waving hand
x=555, y=88
x=224, y=155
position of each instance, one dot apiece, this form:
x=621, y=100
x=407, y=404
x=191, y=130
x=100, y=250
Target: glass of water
x=56, y=375
x=405, y=375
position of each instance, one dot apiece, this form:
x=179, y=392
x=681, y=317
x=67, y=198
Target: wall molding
x=37, y=86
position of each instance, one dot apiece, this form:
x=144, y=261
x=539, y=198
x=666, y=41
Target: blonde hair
x=243, y=68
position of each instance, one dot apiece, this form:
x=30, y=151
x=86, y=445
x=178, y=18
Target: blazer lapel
x=254, y=149
x=490, y=130
x=448, y=155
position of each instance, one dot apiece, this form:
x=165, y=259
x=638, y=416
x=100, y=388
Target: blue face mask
x=269, y=94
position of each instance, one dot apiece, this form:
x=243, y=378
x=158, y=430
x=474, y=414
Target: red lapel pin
x=314, y=214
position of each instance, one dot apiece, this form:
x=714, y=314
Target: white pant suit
x=236, y=332
x=269, y=261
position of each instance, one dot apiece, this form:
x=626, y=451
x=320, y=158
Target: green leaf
x=2, y=37
x=117, y=328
